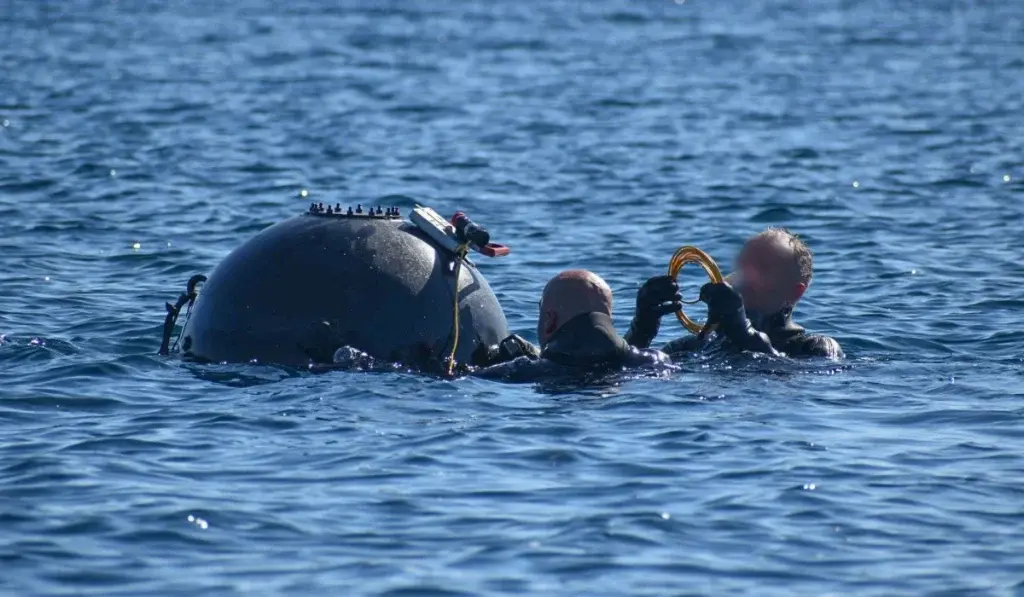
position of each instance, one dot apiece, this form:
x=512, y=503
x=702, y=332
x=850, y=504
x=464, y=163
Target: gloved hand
x=508, y=349
x=726, y=310
x=657, y=297
x=725, y=304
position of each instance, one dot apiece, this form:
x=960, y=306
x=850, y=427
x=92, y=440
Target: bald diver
x=575, y=330
x=756, y=315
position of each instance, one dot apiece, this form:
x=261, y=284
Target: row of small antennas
x=320, y=208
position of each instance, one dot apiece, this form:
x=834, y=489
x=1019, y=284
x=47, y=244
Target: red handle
x=495, y=250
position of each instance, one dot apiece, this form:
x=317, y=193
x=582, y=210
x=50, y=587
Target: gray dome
x=304, y=287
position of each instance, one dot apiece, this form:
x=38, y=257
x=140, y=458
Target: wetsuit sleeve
x=739, y=333
x=646, y=357
x=736, y=327
x=499, y=370
x=814, y=346
x=641, y=332
x=519, y=370
x=725, y=308
x=509, y=349
x=742, y=335
x=683, y=345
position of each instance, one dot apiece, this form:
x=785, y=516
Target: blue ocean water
x=141, y=141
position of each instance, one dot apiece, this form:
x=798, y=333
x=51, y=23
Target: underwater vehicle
x=399, y=290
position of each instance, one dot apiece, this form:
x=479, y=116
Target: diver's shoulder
x=815, y=345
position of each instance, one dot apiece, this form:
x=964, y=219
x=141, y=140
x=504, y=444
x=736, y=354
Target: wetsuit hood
x=587, y=339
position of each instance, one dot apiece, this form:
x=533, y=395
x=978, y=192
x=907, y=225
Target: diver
x=774, y=269
x=575, y=330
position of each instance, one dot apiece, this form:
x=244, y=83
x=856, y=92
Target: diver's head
x=775, y=269
x=571, y=293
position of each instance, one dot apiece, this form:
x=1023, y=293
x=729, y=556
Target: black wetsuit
x=586, y=341
x=590, y=339
x=772, y=334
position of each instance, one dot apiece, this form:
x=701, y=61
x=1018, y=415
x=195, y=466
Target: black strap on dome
x=189, y=296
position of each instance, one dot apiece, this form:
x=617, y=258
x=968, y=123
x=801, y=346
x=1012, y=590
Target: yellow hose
x=460, y=254
x=686, y=255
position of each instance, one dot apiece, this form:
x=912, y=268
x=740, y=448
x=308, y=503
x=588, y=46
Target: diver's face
x=769, y=282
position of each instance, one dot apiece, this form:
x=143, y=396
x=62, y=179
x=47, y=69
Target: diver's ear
x=798, y=291
x=549, y=325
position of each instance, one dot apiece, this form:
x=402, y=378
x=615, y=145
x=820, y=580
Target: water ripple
x=140, y=142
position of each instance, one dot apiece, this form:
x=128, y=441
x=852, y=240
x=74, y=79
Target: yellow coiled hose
x=460, y=256
x=686, y=255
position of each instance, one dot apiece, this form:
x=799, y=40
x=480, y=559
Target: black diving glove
x=725, y=309
x=509, y=349
x=658, y=297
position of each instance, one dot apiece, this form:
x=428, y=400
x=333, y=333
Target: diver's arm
x=520, y=370
x=641, y=333
x=725, y=308
x=509, y=349
x=499, y=370
x=741, y=333
x=680, y=346
x=645, y=357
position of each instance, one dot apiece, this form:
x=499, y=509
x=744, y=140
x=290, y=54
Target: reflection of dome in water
x=304, y=287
